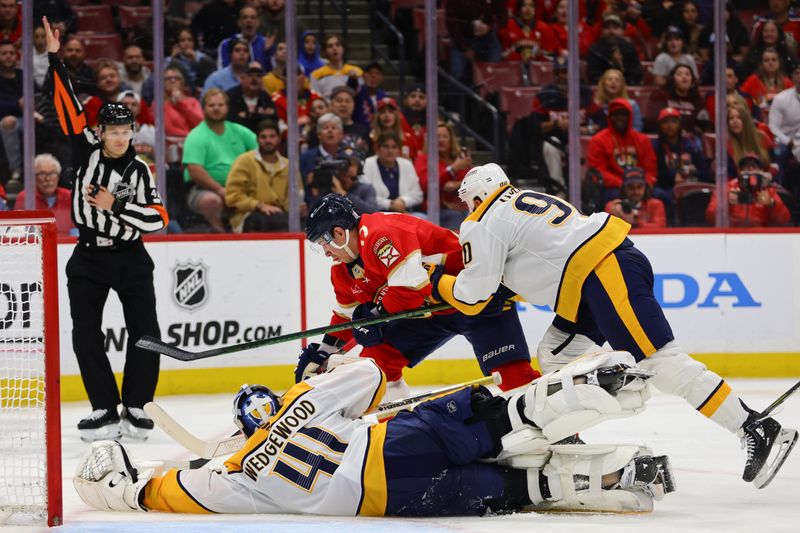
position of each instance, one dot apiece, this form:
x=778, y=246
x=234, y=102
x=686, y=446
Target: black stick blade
x=152, y=344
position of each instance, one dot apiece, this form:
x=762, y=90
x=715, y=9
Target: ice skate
x=101, y=424
x=135, y=423
x=764, y=458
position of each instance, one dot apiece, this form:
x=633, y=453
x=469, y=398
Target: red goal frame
x=47, y=221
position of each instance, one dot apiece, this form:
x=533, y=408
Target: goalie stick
x=208, y=449
x=153, y=344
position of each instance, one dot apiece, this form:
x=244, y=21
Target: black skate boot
x=135, y=423
x=759, y=437
x=101, y=424
x=649, y=473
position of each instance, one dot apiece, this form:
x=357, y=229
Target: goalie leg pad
x=558, y=348
x=107, y=480
x=574, y=408
x=572, y=480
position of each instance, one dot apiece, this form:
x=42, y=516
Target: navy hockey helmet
x=114, y=113
x=331, y=211
x=253, y=406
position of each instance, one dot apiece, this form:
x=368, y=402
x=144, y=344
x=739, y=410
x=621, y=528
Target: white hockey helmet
x=480, y=182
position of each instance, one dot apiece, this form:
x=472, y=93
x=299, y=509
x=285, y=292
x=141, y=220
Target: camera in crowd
x=322, y=179
x=626, y=205
x=751, y=182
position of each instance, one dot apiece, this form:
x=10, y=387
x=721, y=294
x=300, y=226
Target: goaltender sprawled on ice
x=464, y=453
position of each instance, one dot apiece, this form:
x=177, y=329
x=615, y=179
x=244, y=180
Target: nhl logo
x=190, y=287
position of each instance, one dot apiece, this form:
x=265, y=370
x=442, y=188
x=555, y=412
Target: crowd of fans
x=647, y=109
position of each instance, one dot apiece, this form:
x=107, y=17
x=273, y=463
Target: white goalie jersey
x=537, y=245
x=314, y=456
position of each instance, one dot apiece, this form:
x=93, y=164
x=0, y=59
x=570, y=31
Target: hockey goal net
x=30, y=425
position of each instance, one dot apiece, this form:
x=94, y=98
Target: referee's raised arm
x=69, y=109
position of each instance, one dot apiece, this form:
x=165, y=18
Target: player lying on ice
x=601, y=289
x=465, y=453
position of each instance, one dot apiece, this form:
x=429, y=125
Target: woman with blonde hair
x=744, y=138
x=454, y=163
x=388, y=118
x=610, y=86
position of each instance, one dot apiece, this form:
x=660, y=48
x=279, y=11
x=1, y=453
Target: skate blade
x=665, y=475
x=784, y=444
x=107, y=432
x=132, y=432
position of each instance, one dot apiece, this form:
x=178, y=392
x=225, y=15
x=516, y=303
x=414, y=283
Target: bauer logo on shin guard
x=190, y=284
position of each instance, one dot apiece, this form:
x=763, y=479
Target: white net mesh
x=23, y=453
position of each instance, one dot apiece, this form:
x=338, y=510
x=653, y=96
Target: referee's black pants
x=91, y=272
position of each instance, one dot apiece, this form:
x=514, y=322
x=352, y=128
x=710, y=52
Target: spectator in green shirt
x=209, y=152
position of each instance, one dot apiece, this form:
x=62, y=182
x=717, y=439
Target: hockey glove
x=435, y=273
x=309, y=363
x=368, y=335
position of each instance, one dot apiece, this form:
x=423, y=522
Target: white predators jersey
x=537, y=245
x=314, y=456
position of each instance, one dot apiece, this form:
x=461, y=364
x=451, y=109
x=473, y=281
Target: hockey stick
x=782, y=398
x=153, y=344
x=208, y=449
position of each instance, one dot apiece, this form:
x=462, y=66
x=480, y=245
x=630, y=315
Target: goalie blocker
x=464, y=449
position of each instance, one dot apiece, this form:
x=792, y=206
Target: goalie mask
x=253, y=406
x=480, y=182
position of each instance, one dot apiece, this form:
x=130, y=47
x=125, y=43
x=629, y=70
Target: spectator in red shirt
x=752, y=198
x=454, y=163
x=11, y=22
x=618, y=147
x=770, y=34
x=415, y=106
x=637, y=30
x=634, y=205
x=109, y=85
x=559, y=31
x=525, y=37
x=181, y=111
x=784, y=15
x=388, y=118
x=768, y=80
x=49, y=196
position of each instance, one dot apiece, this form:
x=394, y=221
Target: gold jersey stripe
x=610, y=276
x=716, y=399
x=167, y=494
x=583, y=260
x=373, y=480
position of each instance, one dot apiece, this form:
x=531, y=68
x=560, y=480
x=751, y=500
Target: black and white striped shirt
x=137, y=207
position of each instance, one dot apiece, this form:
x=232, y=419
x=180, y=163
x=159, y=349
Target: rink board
x=733, y=299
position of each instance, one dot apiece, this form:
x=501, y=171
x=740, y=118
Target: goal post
x=30, y=418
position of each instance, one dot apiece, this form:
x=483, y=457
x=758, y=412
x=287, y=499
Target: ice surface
x=707, y=460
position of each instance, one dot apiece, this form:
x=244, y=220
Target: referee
x=114, y=201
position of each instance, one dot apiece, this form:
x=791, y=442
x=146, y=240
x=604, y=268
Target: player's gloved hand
x=309, y=363
x=368, y=335
x=435, y=273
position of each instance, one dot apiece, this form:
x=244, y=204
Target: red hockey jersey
x=389, y=268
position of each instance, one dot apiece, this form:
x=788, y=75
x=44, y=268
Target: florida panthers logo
x=387, y=254
x=190, y=284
